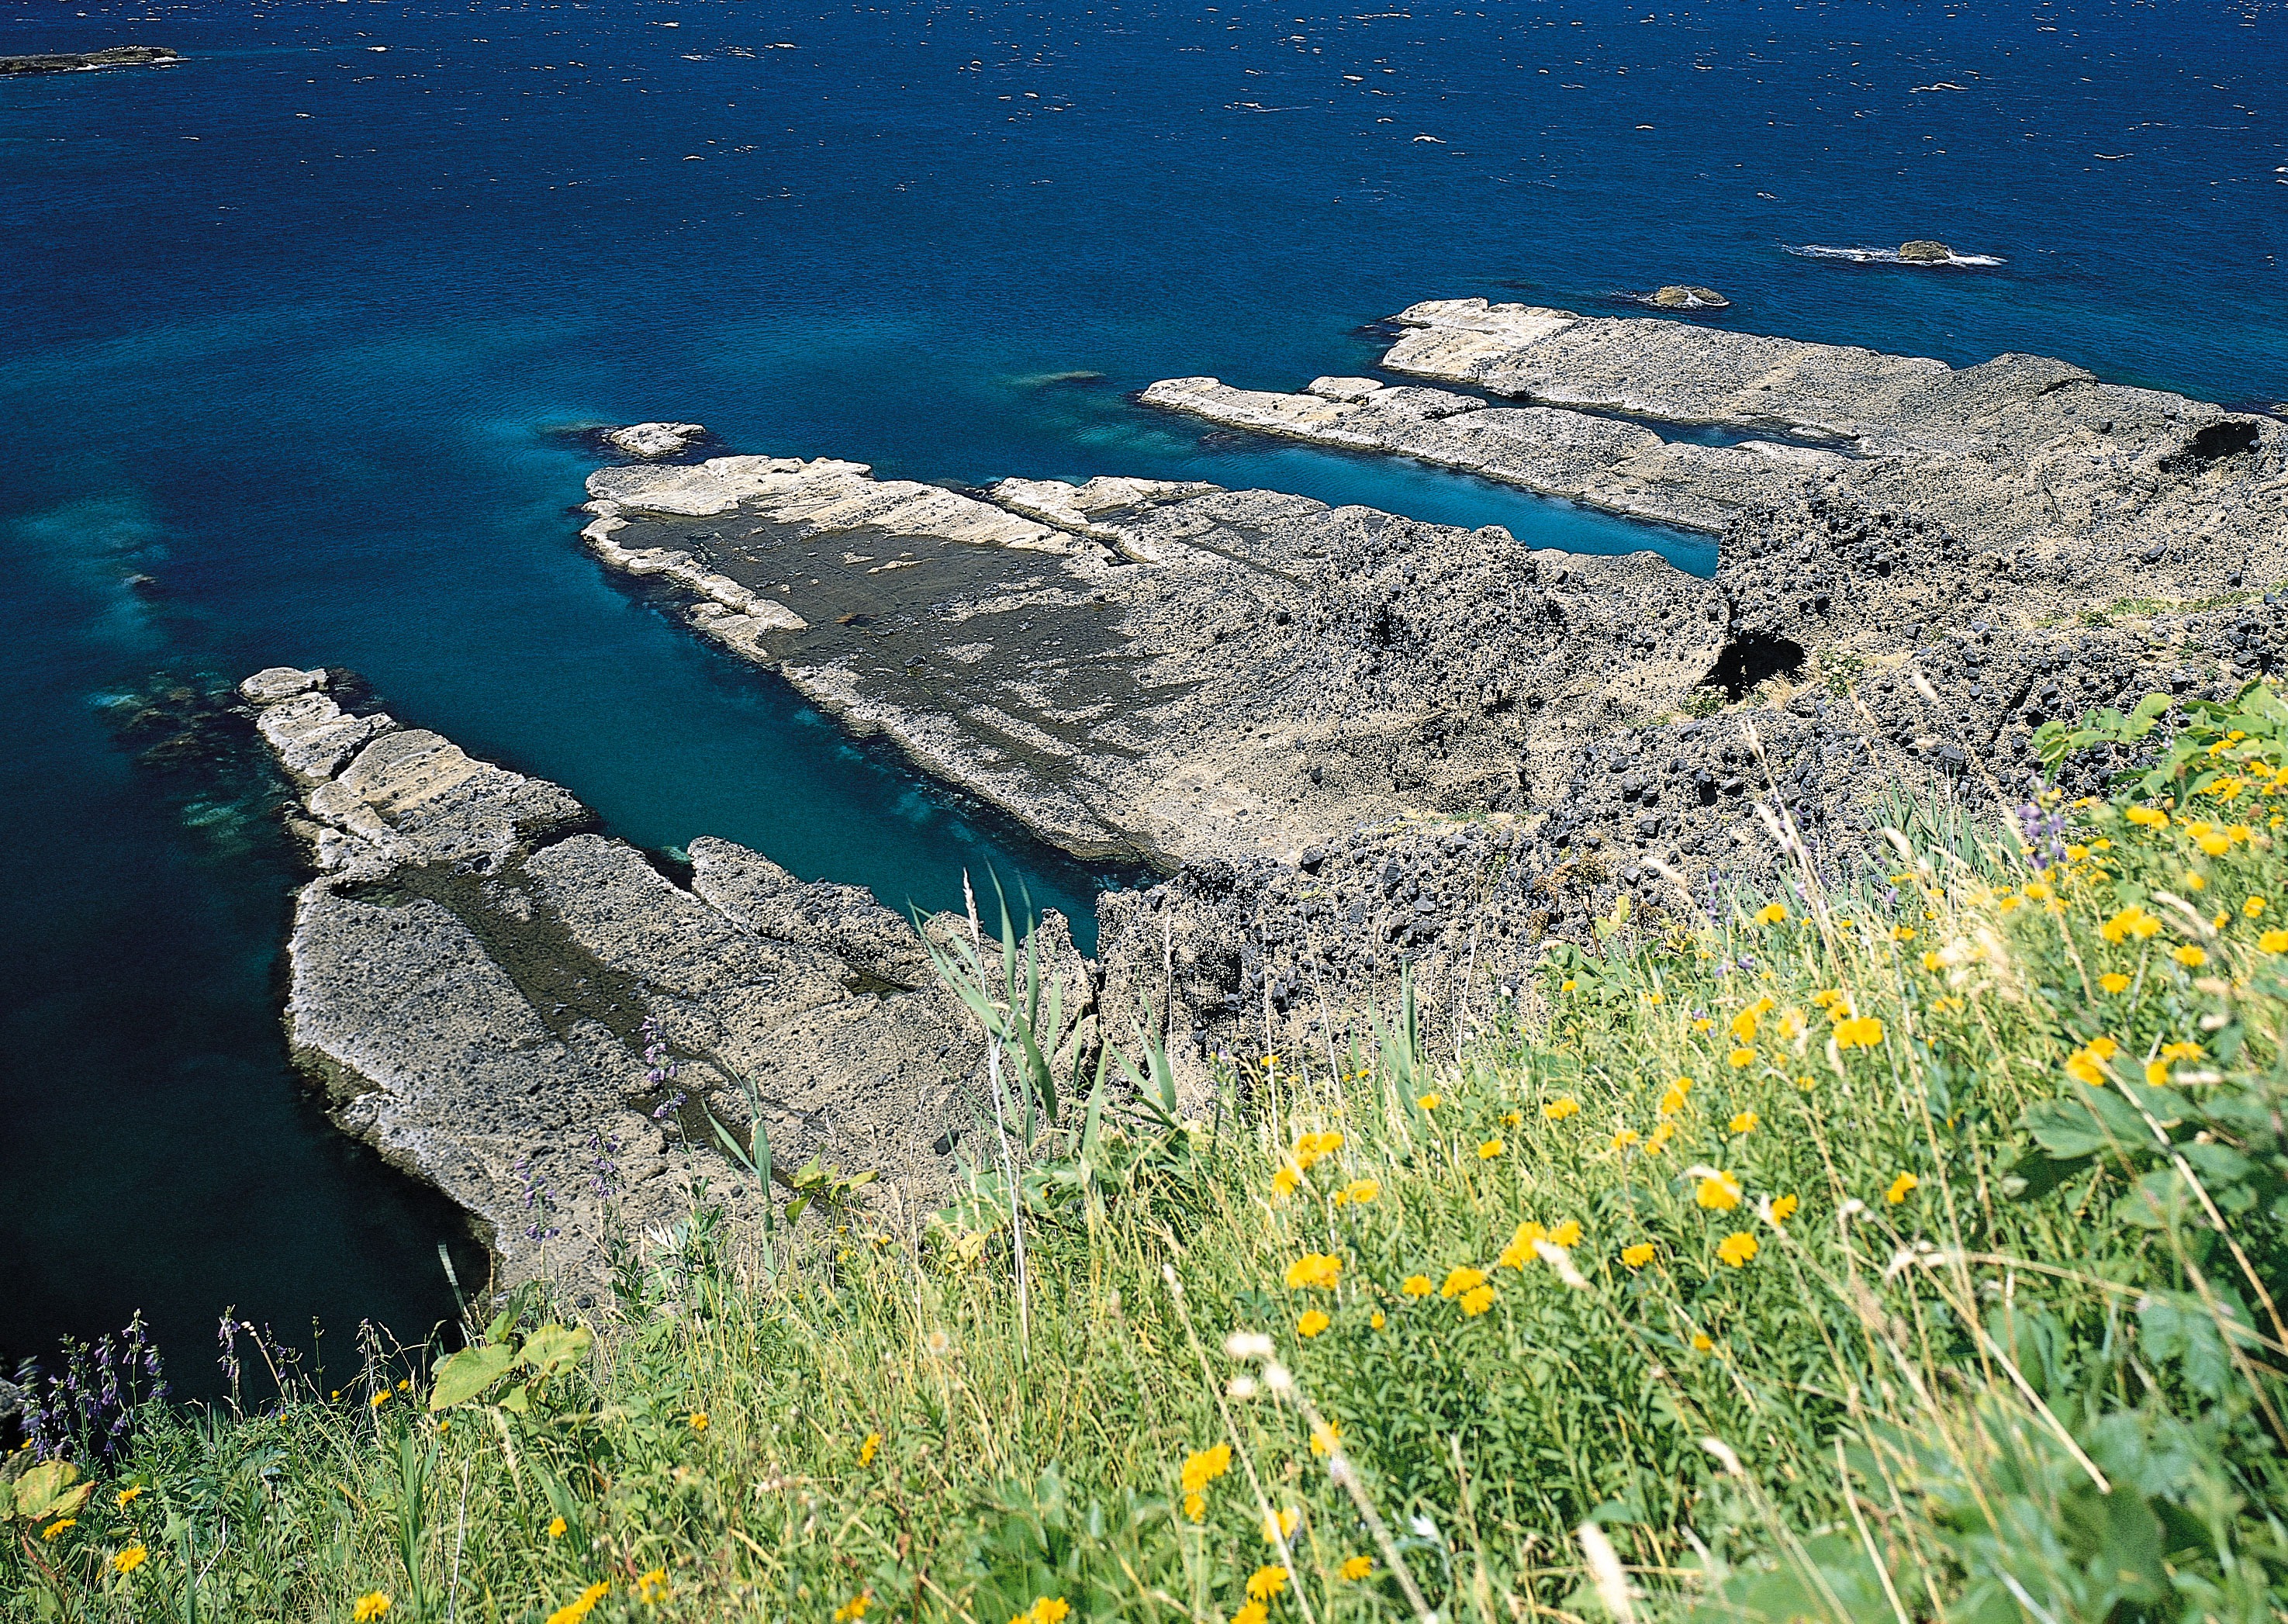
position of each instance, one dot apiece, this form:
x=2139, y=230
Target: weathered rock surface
x=1358, y=746
x=1924, y=250
x=75, y=61
x=473, y=967
x=655, y=439
x=1163, y=671
x=1679, y=295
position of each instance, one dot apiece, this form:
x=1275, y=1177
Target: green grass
x=2011, y=1355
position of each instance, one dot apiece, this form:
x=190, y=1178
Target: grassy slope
x=1999, y=1362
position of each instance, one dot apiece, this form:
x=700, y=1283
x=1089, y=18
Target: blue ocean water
x=288, y=328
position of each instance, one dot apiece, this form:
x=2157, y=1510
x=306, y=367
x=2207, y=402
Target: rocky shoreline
x=1358, y=746
x=477, y=977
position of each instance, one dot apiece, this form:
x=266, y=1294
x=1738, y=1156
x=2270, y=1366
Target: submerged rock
x=653, y=439
x=1681, y=297
x=69, y=61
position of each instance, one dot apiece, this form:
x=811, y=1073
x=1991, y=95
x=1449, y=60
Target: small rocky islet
x=1356, y=745
x=82, y=61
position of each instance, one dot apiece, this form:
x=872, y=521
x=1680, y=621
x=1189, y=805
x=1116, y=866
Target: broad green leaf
x=51, y=1489
x=469, y=1373
x=554, y=1347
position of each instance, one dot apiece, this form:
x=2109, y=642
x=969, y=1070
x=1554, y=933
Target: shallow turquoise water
x=287, y=327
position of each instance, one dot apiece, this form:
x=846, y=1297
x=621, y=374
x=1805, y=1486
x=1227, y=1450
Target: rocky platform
x=1358, y=746
x=473, y=970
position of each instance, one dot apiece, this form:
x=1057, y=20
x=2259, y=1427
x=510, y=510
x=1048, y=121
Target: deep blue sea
x=288, y=329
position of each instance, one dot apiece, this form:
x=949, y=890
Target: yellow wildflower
x=1476, y=1302
x=1049, y=1610
x=866, y=1450
x=1661, y=1135
x=1253, y=1613
x=1312, y=1323
x=1568, y=985
x=652, y=1586
x=580, y=1605
x=1624, y=1138
x=2196, y=882
x=1742, y=1059
x=1358, y=1193
x=1700, y=1342
x=1204, y=1467
x=1313, y=1146
x=854, y=1608
x=1902, y=933
x=2273, y=941
x=2131, y=921
x=1286, y=1178
x=1701, y=1023
x=1638, y=1256
x=2189, y=956
x=1416, y=1286
x=1900, y=1187
x=697, y=1420
x=1268, y=1580
x=556, y=1526
x=134, y=1557
x=1428, y=1102
x=1519, y=1252
x=1737, y=1248
x=2148, y=817
x=1566, y=1234
x=378, y=1399
x=2253, y=907
x=1375, y=1321
x=1357, y=1567
x=1558, y=1110
x=1322, y=1271
x=1462, y=1279
x=373, y=1605
x=2181, y=1051
x=57, y=1528
x=2157, y=1074
x=1326, y=1438
x=1743, y=1025
x=1744, y=1122
x=1718, y=1192
x=2214, y=844
x=2114, y=981
x=1783, y=1209
x=1858, y=1032
x=1770, y=913
x=1489, y=1149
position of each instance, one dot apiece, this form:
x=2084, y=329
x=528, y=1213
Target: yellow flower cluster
x=1200, y=1469
x=2087, y=1065
x=1314, y=1270
x=1310, y=1150
x=1044, y=1609
x=580, y=1605
x=373, y=1605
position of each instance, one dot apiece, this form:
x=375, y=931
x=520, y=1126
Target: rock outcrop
x=651, y=440
x=1164, y=672
x=1364, y=751
x=1681, y=297
x=74, y=61
x=1923, y=250
x=478, y=975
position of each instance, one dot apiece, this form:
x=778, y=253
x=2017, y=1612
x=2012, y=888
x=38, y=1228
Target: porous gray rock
x=1156, y=671
x=1924, y=250
x=80, y=61
x=655, y=439
x=1681, y=297
x=472, y=971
